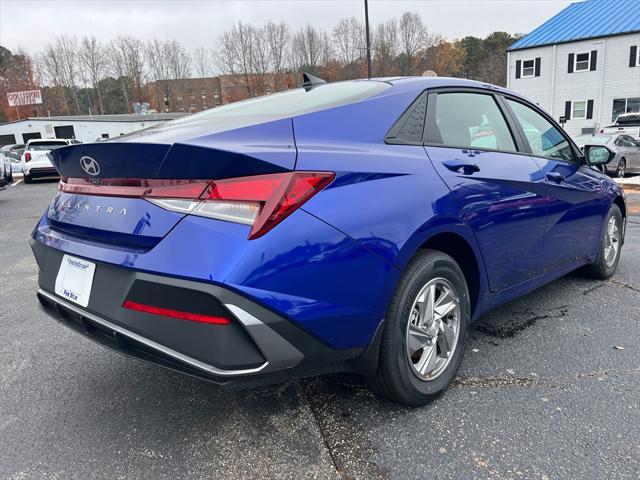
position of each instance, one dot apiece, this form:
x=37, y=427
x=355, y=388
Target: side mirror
x=597, y=155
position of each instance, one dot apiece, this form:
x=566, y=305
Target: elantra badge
x=90, y=165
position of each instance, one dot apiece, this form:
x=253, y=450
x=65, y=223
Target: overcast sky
x=33, y=23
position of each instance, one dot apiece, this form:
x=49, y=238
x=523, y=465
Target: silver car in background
x=626, y=148
x=9, y=156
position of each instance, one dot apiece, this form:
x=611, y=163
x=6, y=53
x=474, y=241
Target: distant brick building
x=196, y=94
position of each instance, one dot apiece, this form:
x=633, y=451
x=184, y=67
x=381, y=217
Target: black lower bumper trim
x=259, y=345
x=116, y=340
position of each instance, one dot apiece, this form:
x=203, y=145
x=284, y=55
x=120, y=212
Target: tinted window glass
x=472, y=120
x=629, y=120
x=544, y=138
x=625, y=141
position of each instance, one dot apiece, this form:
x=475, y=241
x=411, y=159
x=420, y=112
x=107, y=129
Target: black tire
x=395, y=378
x=599, y=269
x=621, y=169
x=27, y=178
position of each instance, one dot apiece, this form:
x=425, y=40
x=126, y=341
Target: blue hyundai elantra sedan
x=355, y=226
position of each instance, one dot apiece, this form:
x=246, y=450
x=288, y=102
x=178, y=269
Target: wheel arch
x=458, y=248
x=619, y=201
x=622, y=205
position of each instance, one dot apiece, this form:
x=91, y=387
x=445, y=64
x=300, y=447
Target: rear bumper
x=40, y=172
x=258, y=342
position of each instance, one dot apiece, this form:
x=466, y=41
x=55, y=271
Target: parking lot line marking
x=17, y=182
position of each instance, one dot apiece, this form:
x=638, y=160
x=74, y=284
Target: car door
x=498, y=187
x=576, y=191
x=630, y=150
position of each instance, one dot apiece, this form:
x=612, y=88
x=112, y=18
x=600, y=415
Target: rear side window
x=471, y=120
x=628, y=120
x=544, y=138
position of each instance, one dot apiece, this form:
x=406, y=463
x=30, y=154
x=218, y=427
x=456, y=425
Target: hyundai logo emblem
x=90, y=165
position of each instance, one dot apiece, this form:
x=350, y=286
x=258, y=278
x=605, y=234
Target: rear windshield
x=46, y=146
x=291, y=102
x=628, y=120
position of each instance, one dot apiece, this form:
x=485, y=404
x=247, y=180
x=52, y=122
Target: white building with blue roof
x=583, y=64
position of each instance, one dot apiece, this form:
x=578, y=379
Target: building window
x=583, y=61
x=192, y=97
x=579, y=110
x=179, y=96
x=204, y=106
x=625, y=105
x=215, y=93
x=192, y=107
x=528, y=68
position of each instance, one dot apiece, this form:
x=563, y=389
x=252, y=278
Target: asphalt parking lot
x=549, y=388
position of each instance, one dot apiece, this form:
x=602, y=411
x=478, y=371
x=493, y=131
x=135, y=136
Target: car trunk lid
x=107, y=185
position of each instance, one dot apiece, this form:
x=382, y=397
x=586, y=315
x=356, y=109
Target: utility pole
x=366, y=27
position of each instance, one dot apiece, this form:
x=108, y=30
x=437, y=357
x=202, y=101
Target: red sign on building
x=28, y=97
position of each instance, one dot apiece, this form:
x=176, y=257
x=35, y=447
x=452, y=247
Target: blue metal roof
x=589, y=19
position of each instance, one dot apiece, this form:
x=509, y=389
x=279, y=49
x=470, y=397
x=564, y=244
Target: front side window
x=528, y=68
x=582, y=62
x=471, y=120
x=626, y=141
x=545, y=139
x=579, y=110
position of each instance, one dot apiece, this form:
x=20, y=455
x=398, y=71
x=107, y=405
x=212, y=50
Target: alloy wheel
x=612, y=242
x=433, y=329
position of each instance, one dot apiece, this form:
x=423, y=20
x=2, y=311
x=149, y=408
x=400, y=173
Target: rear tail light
x=27, y=156
x=261, y=201
x=179, y=314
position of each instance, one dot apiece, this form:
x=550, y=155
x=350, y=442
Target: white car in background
x=627, y=124
x=35, y=161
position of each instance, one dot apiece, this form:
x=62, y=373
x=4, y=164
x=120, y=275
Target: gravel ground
x=549, y=388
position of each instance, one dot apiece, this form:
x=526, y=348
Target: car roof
x=419, y=84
